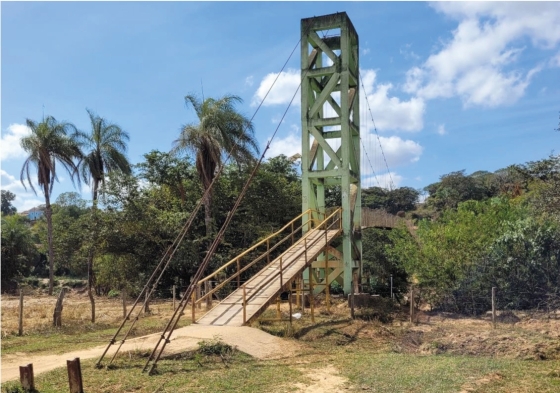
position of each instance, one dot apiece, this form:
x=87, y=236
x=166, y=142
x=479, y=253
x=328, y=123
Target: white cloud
x=385, y=180
x=25, y=199
x=396, y=151
x=10, y=141
x=366, y=51
x=289, y=145
x=389, y=113
x=441, y=129
x=282, y=91
x=555, y=60
x=249, y=81
x=478, y=63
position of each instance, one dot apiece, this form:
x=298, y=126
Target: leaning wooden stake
x=26, y=377
x=20, y=329
x=75, y=376
x=57, y=316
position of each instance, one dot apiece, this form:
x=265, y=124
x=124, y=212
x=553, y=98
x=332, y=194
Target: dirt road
x=252, y=341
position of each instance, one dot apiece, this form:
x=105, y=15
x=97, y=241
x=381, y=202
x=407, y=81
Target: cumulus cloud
x=478, y=62
x=389, y=113
x=288, y=145
x=287, y=82
x=441, y=129
x=25, y=199
x=249, y=81
x=10, y=141
x=396, y=151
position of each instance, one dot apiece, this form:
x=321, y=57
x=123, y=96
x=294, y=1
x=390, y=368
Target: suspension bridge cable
x=172, y=324
x=376, y=133
x=171, y=250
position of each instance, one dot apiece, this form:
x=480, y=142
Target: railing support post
x=311, y=297
x=327, y=284
x=238, y=274
x=244, y=304
x=193, y=313
x=281, y=275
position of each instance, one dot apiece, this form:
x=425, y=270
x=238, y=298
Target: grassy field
x=439, y=354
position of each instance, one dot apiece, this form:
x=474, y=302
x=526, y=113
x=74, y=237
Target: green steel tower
x=330, y=118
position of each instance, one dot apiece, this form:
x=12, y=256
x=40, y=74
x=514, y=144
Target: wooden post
x=352, y=314
x=290, y=303
x=327, y=284
x=75, y=376
x=20, y=329
x=311, y=298
x=26, y=377
x=281, y=275
x=238, y=274
x=146, y=302
x=198, y=294
x=123, y=296
x=302, y=292
x=193, y=300
x=207, y=289
x=411, y=305
x=244, y=304
x=298, y=286
x=292, y=233
x=278, y=315
x=268, y=251
x=57, y=316
x=494, y=307
x=173, y=297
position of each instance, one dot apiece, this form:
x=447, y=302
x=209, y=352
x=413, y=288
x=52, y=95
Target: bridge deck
x=262, y=288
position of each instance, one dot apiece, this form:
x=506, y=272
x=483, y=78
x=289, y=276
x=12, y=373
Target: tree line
x=473, y=231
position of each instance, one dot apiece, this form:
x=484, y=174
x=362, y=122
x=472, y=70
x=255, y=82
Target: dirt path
x=252, y=341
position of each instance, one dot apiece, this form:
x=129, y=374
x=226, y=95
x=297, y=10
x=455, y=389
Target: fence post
x=123, y=296
x=20, y=329
x=494, y=307
x=26, y=377
x=146, y=302
x=311, y=298
x=411, y=305
x=57, y=316
x=75, y=376
x=173, y=297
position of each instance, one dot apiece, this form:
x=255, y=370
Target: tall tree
x=221, y=130
x=7, y=198
x=48, y=144
x=104, y=151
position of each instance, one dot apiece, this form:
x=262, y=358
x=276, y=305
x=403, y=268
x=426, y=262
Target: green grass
x=367, y=370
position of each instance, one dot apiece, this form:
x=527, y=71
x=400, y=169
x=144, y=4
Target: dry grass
x=38, y=312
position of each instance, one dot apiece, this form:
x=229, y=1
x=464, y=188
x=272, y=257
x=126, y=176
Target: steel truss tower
x=330, y=118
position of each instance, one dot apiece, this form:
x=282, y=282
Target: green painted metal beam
x=330, y=116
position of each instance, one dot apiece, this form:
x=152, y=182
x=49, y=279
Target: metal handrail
x=252, y=263
x=272, y=277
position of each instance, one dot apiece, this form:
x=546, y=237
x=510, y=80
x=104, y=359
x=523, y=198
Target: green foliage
x=7, y=198
x=392, y=201
x=379, y=266
x=18, y=250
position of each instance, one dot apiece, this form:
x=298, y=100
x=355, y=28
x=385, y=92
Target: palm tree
x=104, y=151
x=221, y=129
x=48, y=144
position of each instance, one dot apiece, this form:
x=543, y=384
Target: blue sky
x=452, y=86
